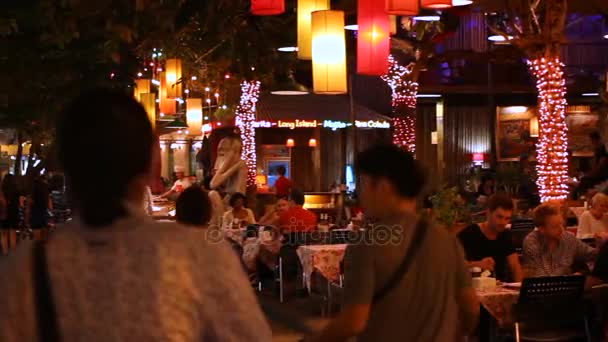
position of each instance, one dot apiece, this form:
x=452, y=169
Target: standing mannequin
x=230, y=170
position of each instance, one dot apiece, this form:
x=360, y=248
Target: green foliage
x=449, y=209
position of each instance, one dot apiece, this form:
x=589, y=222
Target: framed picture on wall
x=513, y=133
x=580, y=125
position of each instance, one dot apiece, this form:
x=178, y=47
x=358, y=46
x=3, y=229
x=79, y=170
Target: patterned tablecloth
x=499, y=303
x=324, y=259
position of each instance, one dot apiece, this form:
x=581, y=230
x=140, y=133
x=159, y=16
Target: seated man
x=296, y=218
x=489, y=245
x=549, y=250
x=182, y=183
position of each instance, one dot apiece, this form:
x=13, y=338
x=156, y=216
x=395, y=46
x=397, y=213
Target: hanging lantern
x=305, y=9
x=402, y=7
x=148, y=101
x=373, y=38
x=173, y=74
x=436, y=4
x=328, y=52
x=267, y=7
x=194, y=116
x=167, y=106
x=312, y=142
x=290, y=143
x=393, y=22
x=141, y=86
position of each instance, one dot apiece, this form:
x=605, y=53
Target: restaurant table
x=325, y=259
x=499, y=303
x=163, y=210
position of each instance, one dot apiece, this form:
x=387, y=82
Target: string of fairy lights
x=245, y=116
x=403, y=93
x=552, y=155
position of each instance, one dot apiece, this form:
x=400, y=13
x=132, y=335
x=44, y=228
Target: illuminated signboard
x=331, y=124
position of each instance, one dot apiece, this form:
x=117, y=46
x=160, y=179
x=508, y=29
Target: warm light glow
x=290, y=143
x=167, y=106
x=402, y=7
x=245, y=117
x=267, y=7
x=404, y=103
x=534, y=127
x=304, y=11
x=173, y=74
x=434, y=138
x=141, y=86
x=194, y=115
x=288, y=49
x=353, y=27
x=148, y=101
x=552, y=155
x=312, y=142
x=436, y=4
x=478, y=158
x=514, y=110
x=328, y=52
x=261, y=179
x=427, y=18
x=373, y=38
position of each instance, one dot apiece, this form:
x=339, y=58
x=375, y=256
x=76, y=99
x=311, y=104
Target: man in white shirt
x=182, y=183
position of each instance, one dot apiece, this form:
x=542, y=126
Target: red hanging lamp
x=436, y=4
x=267, y=7
x=373, y=38
x=402, y=7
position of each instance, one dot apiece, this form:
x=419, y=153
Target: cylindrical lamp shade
x=194, y=116
x=328, y=53
x=373, y=38
x=267, y=7
x=167, y=106
x=402, y=7
x=393, y=22
x=436, y=4
x=534, y=127
x=148, y=101
x=305, y=9
x=173, y=74
x=141, y=86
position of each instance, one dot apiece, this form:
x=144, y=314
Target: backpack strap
x=419, y=235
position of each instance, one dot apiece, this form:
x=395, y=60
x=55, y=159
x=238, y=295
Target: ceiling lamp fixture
x=436, y=4
x=354, y=27
x=606, y=36
x=461, y=2
x=428, y=95
x=288, y=49
x=427, y=18
x=402, y=7
x=590, y=94
x=497, y=38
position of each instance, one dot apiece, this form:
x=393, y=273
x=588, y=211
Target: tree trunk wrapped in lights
x=540, y=36
x=404, y=90
x=552, y=155
x=245, y=117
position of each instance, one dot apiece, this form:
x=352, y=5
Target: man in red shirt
x=282, y=184
x=296, y=218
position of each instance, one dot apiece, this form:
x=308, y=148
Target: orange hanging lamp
x=436, y=4
x=267, y=7
x=373, y=38
x=402, y=7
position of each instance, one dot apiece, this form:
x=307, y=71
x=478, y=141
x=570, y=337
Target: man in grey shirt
x=434, y=299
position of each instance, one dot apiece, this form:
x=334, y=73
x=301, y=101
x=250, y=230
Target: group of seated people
x=548, y=250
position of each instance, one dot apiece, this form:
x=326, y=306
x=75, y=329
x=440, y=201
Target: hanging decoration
x=245, y=117
x=173, y=74
x=305, y=9
x=148, y=101
x=373, y=38
x=436, y=4
x=552, y=155
x=141, y=86
x=167, y=106
x=402, y=7
x=194, y=116
x=404, y=101
x=328, y=52
x=267, y=7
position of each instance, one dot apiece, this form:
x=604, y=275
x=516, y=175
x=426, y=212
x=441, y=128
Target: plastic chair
x=551, y=309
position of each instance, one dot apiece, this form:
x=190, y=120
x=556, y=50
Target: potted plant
x=450, y=209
